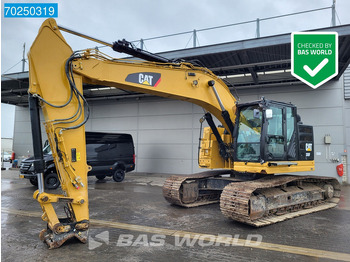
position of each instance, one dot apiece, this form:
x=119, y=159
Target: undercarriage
x=254, y=199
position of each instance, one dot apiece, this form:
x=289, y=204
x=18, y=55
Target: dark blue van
x=109, y=154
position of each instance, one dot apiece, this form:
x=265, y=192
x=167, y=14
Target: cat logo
x=144, y=78
x=308, y=146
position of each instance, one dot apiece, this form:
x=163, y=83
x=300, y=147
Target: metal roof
x=248, y=63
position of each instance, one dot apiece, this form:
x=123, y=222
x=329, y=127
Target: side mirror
x=268, y=113
x=256, y=113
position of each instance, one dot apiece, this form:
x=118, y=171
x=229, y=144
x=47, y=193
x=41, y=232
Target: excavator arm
x=56, y=77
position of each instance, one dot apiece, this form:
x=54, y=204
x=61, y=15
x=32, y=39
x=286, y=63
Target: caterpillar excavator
x=255, y=141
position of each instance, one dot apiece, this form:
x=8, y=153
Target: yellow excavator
x=255, y=142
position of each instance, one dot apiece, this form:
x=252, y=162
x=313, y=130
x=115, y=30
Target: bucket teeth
x=54, y=240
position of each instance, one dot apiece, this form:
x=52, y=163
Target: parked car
x=6, y=157
x=109, y=154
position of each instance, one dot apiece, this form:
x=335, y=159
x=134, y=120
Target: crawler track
x=173, y=189
x=237, y=198
x=260, y=202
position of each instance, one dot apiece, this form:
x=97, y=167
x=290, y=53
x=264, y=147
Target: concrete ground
x=142, y=226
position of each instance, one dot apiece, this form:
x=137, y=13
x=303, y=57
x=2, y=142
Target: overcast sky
x=111, y=20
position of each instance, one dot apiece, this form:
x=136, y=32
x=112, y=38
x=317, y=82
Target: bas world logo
x=98, y=240
x=314, y=57
x=179, y=240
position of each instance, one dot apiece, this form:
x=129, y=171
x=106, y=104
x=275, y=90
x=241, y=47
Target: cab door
x=248, y=134
x=280, y=133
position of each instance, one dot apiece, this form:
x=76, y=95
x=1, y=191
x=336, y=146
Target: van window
x=108, y=151
x=47, y=150
x=125, y=148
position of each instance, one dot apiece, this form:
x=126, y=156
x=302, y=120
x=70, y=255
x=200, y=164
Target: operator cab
x=268, y=131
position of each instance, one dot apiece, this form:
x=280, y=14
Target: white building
x=6, y=144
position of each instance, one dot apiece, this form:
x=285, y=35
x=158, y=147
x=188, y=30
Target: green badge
x=314, y=57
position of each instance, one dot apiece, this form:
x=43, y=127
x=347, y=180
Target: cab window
x=249, y=134
x=275, y=134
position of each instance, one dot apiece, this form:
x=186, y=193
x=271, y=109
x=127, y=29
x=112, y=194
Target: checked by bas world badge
x=314, y=57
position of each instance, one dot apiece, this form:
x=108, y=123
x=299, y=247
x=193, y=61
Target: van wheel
x=51, y=181
x=34, y=181
x=119, y=175
x=101, y=177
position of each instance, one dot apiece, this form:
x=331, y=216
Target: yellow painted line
x=217, y=239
